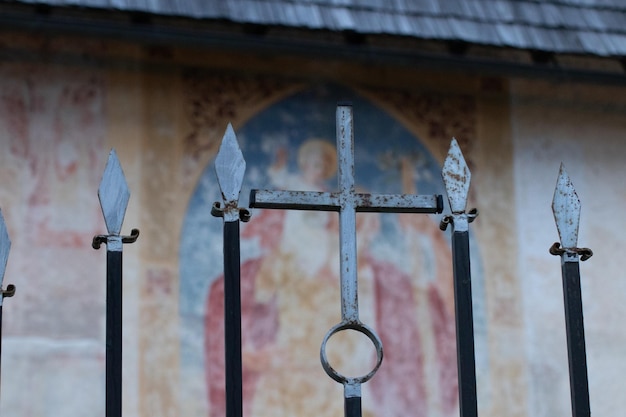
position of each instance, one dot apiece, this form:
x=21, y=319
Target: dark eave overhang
x=151, y=29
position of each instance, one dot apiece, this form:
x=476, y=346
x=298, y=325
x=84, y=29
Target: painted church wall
x=63, y=106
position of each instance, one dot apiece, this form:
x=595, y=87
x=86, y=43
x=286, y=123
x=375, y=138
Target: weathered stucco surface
x=583, y=128
x=63, y=105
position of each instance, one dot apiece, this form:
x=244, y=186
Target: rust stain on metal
x=348, y=202
x=366, y=200
x=456, y=177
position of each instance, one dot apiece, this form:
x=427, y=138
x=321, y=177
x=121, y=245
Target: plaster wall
x=63, y=105
x=583, y=128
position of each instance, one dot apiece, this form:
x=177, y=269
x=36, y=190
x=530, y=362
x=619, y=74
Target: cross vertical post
x=5, y=247
x=566, y=209
x=347, y=202
x=230, y=167
x=347, y=216
x=113, y=194
x=456, y=177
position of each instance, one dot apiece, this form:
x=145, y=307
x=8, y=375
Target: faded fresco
x=52, y=134
x=62, y=109
x=290, y=277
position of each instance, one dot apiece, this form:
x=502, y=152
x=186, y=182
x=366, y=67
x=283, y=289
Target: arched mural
x=290, y=280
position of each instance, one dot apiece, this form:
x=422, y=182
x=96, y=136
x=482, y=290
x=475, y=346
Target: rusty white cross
x=347, y=202
x=566, y=209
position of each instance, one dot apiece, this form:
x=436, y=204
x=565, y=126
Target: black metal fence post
x=114, y=195
x=566, y=209
x=456, y=177
x=230, y=167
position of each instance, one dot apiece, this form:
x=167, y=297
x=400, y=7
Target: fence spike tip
x=456, y=178
x=566, y=209
x=230, y=166
x=5, y=247
x=113, y=194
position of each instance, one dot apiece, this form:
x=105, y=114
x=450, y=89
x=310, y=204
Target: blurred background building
x=522, y=84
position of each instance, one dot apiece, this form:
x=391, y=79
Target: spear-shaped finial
x=5, y=247
x=113, y=194
x=456, y=178
x=566, y=209
x=230, y=166
x=229, y=169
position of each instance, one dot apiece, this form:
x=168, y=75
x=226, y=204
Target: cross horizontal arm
x=324, y=201
x=295, y=200
x=399, y=203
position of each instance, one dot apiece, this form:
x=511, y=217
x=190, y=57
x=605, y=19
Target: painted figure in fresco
x=290, y=299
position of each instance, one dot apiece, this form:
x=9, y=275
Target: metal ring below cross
x=359, y=327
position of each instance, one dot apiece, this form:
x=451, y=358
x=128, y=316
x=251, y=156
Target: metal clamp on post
x=240, y=213
x=461, y=217
x=100, y=239
x=557, y=250
x=9, y=292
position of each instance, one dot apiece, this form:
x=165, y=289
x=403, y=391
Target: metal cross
x=456, y=177
x=5, y=247
x=347, y=202
x=114, y=195
x=566, y=209
x=229, y=169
